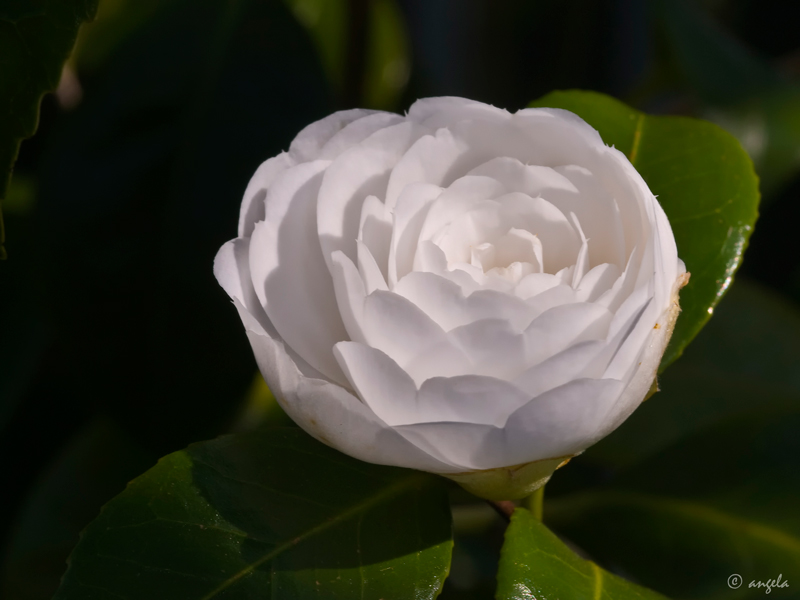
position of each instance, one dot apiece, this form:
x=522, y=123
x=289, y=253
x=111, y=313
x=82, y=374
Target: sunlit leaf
x=535, y=564
x=703, y=179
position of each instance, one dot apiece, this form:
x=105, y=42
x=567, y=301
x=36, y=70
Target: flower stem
x=534, y=503
x=504, y=508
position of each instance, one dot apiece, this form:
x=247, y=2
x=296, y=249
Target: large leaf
x=535, y=564
x=721, y=503
x=705, y=182
x=35, y=40
x=267, y=514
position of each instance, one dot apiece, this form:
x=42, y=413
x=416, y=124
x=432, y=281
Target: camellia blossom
x=460, y=290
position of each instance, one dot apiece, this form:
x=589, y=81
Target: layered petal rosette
x=460, y=290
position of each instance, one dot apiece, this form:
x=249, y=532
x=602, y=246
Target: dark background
x=118, y=345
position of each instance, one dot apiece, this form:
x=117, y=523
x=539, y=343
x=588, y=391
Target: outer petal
x=252, y=209
x=329, y=412
x=395, y=326
x=361, y=171
x=357, y=131
x=561, y=422
x=302, y=308
x=444, y=111
x=308, y=144
x=445, y=302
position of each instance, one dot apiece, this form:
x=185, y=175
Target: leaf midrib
x=688, y=508
x=395, y=489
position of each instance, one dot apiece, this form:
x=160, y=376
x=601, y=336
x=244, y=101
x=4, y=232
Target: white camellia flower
x=460, y=290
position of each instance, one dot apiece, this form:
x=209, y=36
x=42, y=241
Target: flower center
x=512, y=256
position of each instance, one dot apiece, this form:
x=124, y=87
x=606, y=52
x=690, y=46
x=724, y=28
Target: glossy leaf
x=35, y=40
x=534, y=563
x=720, y=503
x=703, y=179
x=266, y=514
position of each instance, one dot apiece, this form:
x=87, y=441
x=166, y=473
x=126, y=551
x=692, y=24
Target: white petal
x=350, y=294
x=467, y=399
x=397, y=327
x=459, y=198
x=562, y=421
x=392, y=395
x=332, y=414
x=599, y=214
x=493, y=347
x=563, y=326
x=430, y=258
x=392, y=324
x=232, y=270
x=369, y=270
x=534, y=285
x=361, y=171
x=447, y=110
x=429, y=160
x=445, y=302
x=450, y=153
x=645, y=370
x=577, y=362
x=380, y=382
x=529, y=179
x=582, y=262
x=410, y=215
x=302, y=309
x=559, y=137
x=308, y=144
x=626, y=359
x=560, y=241
x=252, y=209
x=597, y=281
x=375, y=231
x=357, y=131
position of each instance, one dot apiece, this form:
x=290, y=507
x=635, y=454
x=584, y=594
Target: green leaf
x=703, y=179
x=722, y=502
x=534, y=563
x=266, y=514
x=35, y=40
